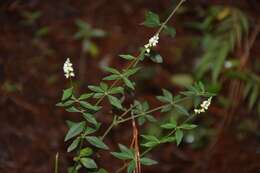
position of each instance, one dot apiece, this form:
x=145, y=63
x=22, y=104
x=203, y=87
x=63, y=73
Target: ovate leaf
x=151, y=19
x=67, y=93
x=179, y=136
x=97, y=142
x=115, y=102
x=88, y=163
x=147, y=161
x=85, y=152
x=73, y=145
x=74, y=130
x=131, y=167
x=127, y=57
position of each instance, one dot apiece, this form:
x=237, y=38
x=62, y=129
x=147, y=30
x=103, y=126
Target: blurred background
x=216, y=42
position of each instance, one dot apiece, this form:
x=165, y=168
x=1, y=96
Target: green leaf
x=85, y=96
x=112, y=77
x=98, y=95
x=86, y=152
x=151, y=138
x=70, y=123
x=116, y=90
x=170, y=30
x=115, y=102
x=179, y=136
x=152, y=141
x=127, y=57
x=90, y=118
x=166, y=98
x=103, y=86
x=122, y=156
x=111, y=70
x=67, y=93
x=181, y=109
x=124, y=149
x=72, y=170
x=90, y=130
x=219, y=61
x=125, y=154
x=95, y=89
x=188, y=126
x=168, y=126
x=74, y=130
x=65, y=103
x=72, y=109
x=131, y=71
x=157, y=58
x=150, y=144
x=131, y=167
x=253, y=96
x=150, y=118
x=97, y=142
x=168, y=139
x=88, y=163
x=89, y=106
x=73, y=145
x=147, y=161
x=101, y=171
x=128, y=83
x=166, y=108
x=151, y=20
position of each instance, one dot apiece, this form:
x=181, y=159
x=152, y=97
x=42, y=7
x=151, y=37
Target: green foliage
x=219, y=40
x=151, y=20
x=113, y=88
x=74, y=130
x=252, y=91
x=141, y=109
x=125, y=153
x=88, y=163
x=155, y=57
x=97, y=142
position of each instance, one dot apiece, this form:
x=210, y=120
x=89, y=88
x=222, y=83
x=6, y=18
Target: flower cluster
x=152, y=43
x=203, y=106
x=68, y=69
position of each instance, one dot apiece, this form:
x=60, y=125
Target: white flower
x=68, y=69
x=203, y=106
x=147, y=48
x=153, y=41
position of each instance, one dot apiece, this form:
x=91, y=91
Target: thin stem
x=115, y=122
x=170, y=16
x=56, y=163
x=141, y=114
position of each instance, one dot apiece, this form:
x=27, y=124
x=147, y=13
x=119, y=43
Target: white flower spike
x=203, y=106
x=68, y=69
x=153, y=41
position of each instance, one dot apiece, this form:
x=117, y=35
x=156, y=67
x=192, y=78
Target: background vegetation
x=217, y=42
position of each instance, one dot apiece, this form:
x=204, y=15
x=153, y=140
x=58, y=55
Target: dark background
x=32, y=128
